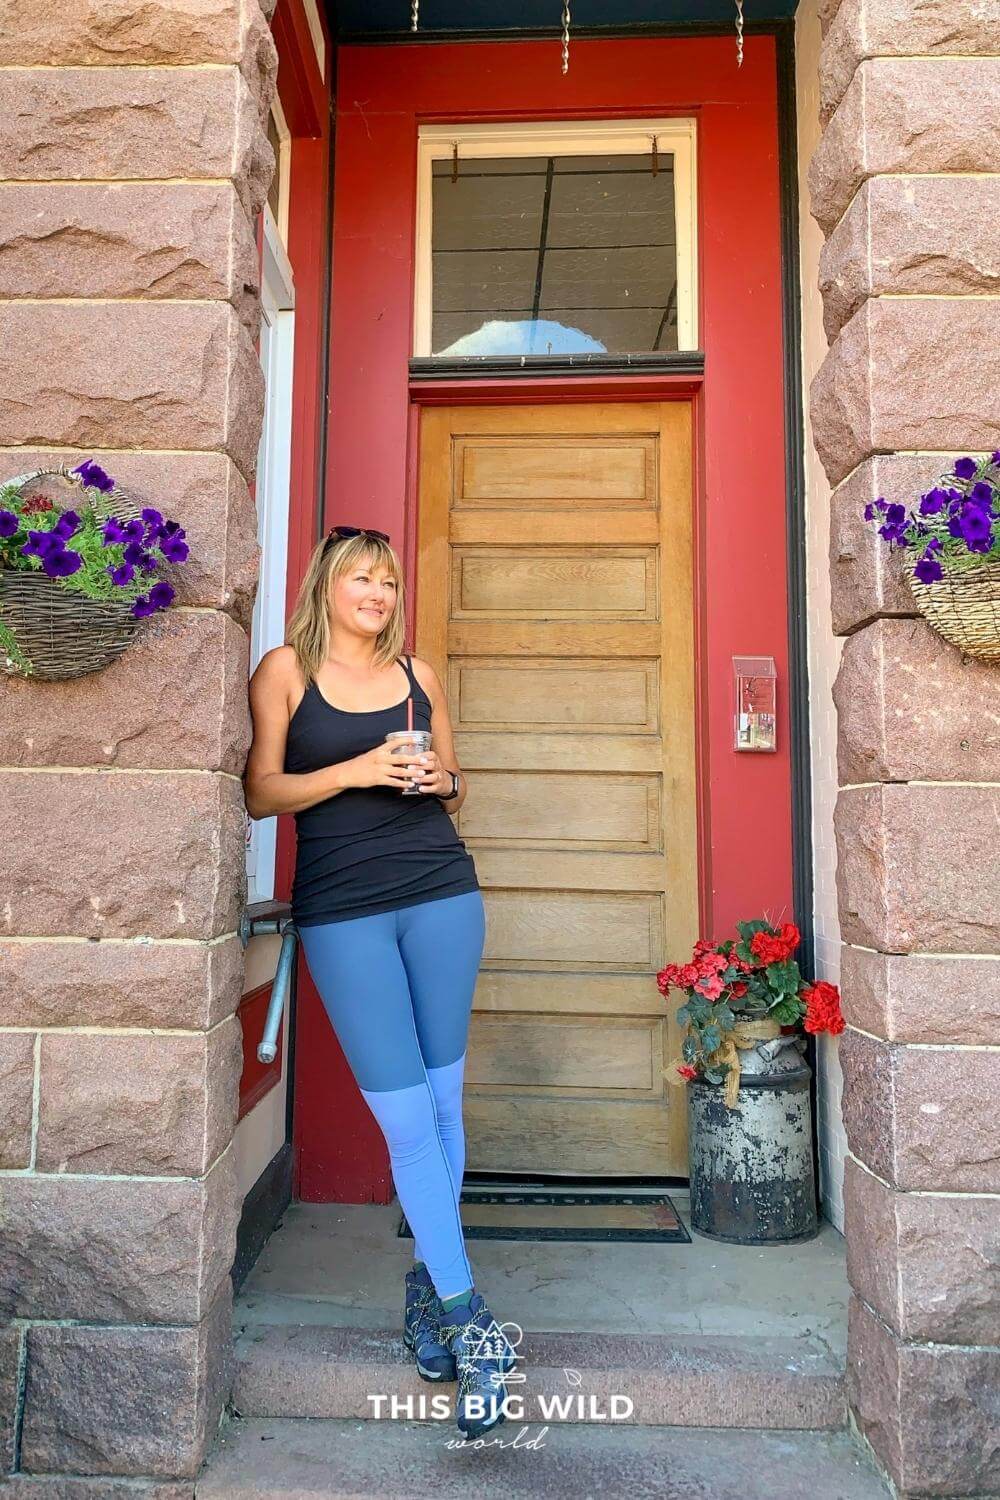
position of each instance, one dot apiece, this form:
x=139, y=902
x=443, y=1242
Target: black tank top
x=367, y=849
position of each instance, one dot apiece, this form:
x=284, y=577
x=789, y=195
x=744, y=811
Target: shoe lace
x=423, y=1317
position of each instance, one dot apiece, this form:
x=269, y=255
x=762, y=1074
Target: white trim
x=271, y=494
x=674, y=137
x=283, y=166
x=316, y=33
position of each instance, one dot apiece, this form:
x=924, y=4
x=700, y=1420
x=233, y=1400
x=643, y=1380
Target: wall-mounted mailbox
x=755, y=681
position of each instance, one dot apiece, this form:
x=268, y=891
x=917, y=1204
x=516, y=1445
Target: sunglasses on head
x=341, y=533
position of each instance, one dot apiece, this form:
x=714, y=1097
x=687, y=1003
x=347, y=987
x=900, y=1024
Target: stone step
x=268, y=1459
x=330, y=1372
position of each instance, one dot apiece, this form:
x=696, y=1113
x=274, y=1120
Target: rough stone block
x=160, y=1105
x=911, y=235
x=929, y=1266
x=85, y=1249
x=100, y=124
x=10, y=1366
x=921, y=998
x=79, y=1487
x=896, y=28
x=867, y=579
x=176, y=699
x=931, y=1413
x=136, y=982
x=160, y=240
x=132, y=375
x=913, y=114
x=914, y=374
x=921, y=1118
x=17, y=1083
x=152, y=853
x=126, y=1400
x=910, y=708
x=205, y=492
x=918, y=867
x=92, y=32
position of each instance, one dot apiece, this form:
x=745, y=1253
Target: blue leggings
x=398, y=989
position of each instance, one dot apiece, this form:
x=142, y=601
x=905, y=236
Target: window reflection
x=554, y=255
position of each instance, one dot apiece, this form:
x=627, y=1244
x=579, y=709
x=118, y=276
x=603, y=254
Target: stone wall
x=132, y=164
x=905, y=186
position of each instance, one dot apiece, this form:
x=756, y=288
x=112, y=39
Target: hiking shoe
x=420, y=1330
x=484, y=1357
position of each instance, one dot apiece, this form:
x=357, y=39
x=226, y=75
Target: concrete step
x=266, y=1459
x=331, y=1372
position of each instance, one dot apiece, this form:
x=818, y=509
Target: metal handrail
x=267, y=1047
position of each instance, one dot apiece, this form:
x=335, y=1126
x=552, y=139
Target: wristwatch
x=456, y=787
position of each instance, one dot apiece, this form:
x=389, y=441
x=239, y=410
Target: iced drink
x=416, y=741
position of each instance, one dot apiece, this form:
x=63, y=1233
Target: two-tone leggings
x=398, y=989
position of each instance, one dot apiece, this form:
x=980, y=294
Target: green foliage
x=784, y=977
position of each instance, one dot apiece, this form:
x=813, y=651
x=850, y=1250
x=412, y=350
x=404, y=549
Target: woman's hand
x=430, y=775
x=384, y=765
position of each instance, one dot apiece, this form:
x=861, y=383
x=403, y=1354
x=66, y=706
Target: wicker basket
x=64, y=634
x=964, y=608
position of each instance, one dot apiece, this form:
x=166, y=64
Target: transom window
x=555, y=240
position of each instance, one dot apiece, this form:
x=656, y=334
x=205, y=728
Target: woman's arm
x=268, y=788
x=443, y=757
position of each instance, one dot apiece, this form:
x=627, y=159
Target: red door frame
x=739, y=458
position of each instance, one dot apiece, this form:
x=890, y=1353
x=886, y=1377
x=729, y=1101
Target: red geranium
x=822, y=1002
x=686, y=1071
x=774, y=948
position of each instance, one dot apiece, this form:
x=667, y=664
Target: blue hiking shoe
x=484, y=1357
x=420, y=1329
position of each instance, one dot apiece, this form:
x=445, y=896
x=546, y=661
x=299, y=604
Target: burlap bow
x=744, y=1035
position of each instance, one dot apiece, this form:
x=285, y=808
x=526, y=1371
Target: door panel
x=554, y=599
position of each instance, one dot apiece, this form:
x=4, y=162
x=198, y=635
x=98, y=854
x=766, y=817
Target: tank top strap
x=408, y=667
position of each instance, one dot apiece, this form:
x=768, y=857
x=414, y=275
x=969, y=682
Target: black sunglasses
x=341, y=533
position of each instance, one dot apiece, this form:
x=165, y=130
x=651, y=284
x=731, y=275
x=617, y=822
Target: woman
x=389, y=911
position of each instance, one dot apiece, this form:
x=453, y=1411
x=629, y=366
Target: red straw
x=409, y=712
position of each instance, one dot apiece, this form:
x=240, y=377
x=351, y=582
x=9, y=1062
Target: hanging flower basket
x=954, y=534
x=965, y=609
x=78, y=572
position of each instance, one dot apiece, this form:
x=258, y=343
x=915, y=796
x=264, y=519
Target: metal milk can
x=752, y=1166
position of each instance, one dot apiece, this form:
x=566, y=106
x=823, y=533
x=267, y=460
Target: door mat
x=566, y=1215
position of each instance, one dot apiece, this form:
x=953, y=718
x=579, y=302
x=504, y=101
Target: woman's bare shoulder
x=426, y=676
x=277, y=674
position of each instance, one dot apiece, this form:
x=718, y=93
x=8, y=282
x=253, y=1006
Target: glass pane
x=554, y=255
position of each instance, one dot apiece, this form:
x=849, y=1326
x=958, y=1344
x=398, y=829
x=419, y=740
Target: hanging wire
x=656, y=159
x=565, y=36
x=739, y=33
x=414, y=14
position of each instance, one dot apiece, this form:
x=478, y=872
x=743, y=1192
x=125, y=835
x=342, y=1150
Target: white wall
x=824, y=646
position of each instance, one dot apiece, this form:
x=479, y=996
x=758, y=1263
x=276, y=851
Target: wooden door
x=554, y=598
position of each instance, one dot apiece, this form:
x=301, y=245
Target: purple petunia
x=933, y=502
x=61, y=562
x=141, y=608
x=928, y=570
x=982, y=492
x=9, y=524
x=40, y=544
x=94, y=476
x=134, y=552
x=113, y=532
x=973, y=525
x=122, y=574
x=152, y=517
x=67, y=525
x=964, y=468
x=174, y=550
x=161, y=595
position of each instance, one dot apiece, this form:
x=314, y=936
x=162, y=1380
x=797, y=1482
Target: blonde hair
x=308, y=629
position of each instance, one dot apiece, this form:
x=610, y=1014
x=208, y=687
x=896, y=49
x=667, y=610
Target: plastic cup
x=416, y=741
